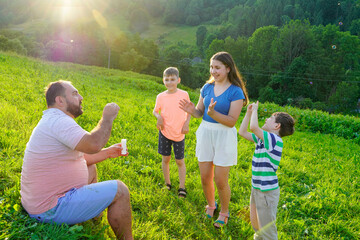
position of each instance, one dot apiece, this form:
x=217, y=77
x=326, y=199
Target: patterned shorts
x=164, y=147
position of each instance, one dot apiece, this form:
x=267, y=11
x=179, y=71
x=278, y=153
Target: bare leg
x=119, y=213
x=207, y=176
x=254, y=217
x=222, y=184
x=182, y=172
x=165, y=168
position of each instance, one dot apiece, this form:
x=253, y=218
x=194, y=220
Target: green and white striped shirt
x=266, y=161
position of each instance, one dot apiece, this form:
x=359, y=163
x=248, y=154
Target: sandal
x=220, y=223
x=168, y=186
x=211, y=208
x=182, y=192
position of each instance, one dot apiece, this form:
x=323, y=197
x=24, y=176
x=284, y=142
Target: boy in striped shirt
x=265, y=191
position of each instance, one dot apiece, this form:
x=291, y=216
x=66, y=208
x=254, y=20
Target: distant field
x=318, y=174
x=172, y=34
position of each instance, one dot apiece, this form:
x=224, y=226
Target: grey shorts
x=266, y=208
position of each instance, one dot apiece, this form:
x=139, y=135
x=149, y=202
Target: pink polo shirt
x=174, y=117
x=51, y=166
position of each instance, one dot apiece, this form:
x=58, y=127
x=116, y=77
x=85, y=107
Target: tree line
x=302, y=53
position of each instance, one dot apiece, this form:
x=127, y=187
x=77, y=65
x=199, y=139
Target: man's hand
x=115, y=151
x=110, y=111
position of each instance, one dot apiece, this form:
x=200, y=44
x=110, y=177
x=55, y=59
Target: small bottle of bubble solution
x=123, y=145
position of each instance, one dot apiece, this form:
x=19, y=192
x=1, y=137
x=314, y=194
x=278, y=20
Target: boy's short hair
x=286, y=123
x=171, y=71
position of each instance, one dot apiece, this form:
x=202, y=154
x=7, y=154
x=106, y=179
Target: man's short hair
x=171, y=71
x=53, y=90
x=286, y=123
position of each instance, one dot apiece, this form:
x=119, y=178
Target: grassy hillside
x=319, y=173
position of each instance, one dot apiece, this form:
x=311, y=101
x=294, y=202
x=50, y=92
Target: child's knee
x=180, y=162
x=166, y=159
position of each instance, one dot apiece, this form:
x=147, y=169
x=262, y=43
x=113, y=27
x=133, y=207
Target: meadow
x=318, y=174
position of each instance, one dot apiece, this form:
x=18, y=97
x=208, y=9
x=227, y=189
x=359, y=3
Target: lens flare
x=99, y=18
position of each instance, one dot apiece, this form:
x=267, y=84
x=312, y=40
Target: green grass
x=173, y=33
x=318, y=174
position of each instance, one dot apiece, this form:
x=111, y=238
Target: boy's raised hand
x=255, y=106
x=249, y=108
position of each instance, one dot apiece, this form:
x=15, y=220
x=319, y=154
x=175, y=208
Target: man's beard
x=73, y=109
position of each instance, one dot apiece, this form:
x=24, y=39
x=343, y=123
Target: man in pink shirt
x=173, y=124
x=59, y=177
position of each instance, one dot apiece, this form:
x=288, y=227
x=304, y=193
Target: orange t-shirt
x=174, y=117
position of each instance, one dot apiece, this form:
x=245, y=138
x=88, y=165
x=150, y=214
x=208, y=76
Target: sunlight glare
x=99, y=18
x=69, y=10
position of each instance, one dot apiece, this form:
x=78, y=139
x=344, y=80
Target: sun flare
x=69, y=10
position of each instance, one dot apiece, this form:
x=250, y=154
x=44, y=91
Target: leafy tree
x=200, y=35
x=57, y=51
x=11, y=45
x=355, y=27
x=216, y=45
x=154, y=7
x=294, y=39
x=269, y=94
x=131, y=60
x=139, y=20
x=120, y=43
x=345, y=98
x=193, y=12
x=174, y=11
x=289, y=11
x=260, y=58
x=238, y=50
x=329, y=9
x=193, y=20
x=338, y=60
x=299, y=13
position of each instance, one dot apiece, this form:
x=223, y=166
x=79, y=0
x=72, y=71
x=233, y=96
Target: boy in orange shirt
x=173, y=124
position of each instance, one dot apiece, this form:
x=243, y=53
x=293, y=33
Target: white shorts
x=216, y=143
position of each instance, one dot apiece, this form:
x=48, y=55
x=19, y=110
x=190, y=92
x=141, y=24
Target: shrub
x=347, y=127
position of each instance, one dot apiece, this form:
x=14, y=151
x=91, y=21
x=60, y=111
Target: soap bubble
x=340, y=23
x=333, y=46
